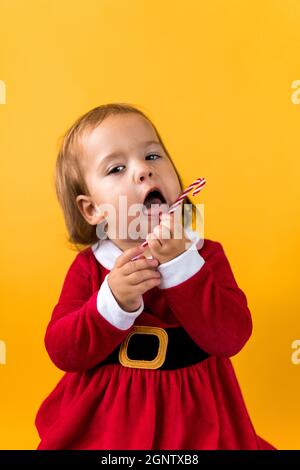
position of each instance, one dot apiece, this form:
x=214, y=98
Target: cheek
x=171, y=181
x=93, y=185
x=100, y=190
x=170, y=171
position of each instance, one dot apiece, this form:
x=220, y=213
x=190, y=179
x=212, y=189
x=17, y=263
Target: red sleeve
x=211, y=307
x=78, y=337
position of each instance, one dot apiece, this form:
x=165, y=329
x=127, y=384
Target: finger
x=138, y=265
x=155, y=245
x=141, y=276
x=174, y=224
x=169, y=218
x=176, y=231
x=146, y=285
x=128, y=254
x=153, y=241
x=163, y=231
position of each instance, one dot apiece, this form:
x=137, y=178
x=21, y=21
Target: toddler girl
x=145, y=344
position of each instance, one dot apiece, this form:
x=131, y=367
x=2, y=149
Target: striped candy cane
x=197, y=185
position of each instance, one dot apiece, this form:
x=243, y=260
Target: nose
x=142, y=172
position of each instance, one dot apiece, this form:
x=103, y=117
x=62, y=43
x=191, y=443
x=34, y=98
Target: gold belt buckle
x=161, y=353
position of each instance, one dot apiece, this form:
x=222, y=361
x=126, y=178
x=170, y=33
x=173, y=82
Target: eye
x=119, y=166
x=113, y=170
x=154, y=155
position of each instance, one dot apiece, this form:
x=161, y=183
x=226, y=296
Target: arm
x=85, y=326
x=205, y=299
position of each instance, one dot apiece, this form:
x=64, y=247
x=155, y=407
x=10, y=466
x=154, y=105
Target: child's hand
x=128, y=280
x=161, y=241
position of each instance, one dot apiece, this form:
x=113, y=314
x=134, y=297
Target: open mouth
x=153, y=202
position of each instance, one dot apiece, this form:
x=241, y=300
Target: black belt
x=151, y=347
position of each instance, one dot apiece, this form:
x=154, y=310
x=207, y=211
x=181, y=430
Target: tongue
x=154, y=209
x=152, y=200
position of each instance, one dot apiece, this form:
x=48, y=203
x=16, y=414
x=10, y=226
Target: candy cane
x=197, y=185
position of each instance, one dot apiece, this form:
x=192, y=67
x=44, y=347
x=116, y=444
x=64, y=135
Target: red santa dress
x=114, y=407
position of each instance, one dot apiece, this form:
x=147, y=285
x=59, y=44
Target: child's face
x=134, y=173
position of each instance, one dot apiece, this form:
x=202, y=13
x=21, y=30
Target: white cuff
x=181, y=268
x=109, y=308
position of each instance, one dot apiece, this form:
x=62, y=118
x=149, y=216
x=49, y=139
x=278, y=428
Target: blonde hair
x=69, y=179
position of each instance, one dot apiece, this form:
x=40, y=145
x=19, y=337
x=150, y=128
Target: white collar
x=106, y=251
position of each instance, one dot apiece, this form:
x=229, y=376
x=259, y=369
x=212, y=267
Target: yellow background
x=216, y=78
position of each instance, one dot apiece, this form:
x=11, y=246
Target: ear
x=89, y=210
